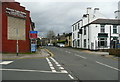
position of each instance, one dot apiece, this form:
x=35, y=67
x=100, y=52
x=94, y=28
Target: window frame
x=114, y=29
x=85, y=29
x=102, y=28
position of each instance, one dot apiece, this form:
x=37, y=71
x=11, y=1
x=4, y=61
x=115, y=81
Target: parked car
x=58, y=44
x=50, y=44
x=61, y=45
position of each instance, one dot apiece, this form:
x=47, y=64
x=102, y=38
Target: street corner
x=112, y=57
x=49, y=52
x=44, y=53
x=37, y=54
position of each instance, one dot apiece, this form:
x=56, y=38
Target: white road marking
x=5, y=62
x=52, y=68
x=64, y=71
x=58, y=65
x=25, y=70
x=51, y=65
x=81, y=56
x=54, y=60
x=71, y=76
x=108, y=66
x=61, y=68
x=68, y=52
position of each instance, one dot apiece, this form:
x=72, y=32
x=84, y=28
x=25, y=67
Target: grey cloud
x=59, y=16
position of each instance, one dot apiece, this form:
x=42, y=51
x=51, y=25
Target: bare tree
x=50, y=34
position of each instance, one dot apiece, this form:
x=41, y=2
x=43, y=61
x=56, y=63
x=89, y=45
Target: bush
x=115, y=52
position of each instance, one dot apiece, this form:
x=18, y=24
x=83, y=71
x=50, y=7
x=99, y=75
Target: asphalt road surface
x=66, y=64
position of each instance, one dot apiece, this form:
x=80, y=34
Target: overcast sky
x=59, y=15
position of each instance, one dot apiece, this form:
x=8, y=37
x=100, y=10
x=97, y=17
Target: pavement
x=103, y=54
x=40, y=53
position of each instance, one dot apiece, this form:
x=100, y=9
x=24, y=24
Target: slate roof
x=106, y=21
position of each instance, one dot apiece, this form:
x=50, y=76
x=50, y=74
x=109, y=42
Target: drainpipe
x=88, y=33
x=88, y=14
x=81, y=33
x=110, y=38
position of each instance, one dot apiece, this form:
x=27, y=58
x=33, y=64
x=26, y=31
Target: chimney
x=96, y=9
x=95, y=12
x=117, y=14
x=89, y=10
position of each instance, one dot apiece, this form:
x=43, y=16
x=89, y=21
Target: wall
x=10, y=45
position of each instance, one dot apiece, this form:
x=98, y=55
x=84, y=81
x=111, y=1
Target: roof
x=105, y=21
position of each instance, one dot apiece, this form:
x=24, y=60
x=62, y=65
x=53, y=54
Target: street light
x=17, y=42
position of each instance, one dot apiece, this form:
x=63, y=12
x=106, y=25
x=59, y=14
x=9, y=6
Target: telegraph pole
x=17, y=42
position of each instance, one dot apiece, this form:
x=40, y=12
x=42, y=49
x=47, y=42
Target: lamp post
x=17, y=42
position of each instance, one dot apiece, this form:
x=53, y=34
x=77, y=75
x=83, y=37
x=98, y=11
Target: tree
x=50, y=34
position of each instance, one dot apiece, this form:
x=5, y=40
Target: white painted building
x=94, y=31
x=117, y=16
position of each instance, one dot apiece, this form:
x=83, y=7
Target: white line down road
x=5, y=62
x=108, y=66
x=51, y=65
x=81, y=56
x=27, y=70
x=62, y=70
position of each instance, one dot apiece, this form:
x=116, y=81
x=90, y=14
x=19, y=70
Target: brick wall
x=10, y=45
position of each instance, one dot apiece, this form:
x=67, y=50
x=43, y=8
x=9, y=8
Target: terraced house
x=94, y=31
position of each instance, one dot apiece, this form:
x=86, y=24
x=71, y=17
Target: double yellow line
x=51, y=54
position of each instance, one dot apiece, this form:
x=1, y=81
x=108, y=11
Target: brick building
x=15, y=25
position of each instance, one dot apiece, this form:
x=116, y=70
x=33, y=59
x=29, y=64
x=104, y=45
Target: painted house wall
x=94, y=29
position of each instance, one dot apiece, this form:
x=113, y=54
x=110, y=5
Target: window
x=78, y=25
x=78, y=35
x=114, y=28
x=73, y=27
x=78, y=42
x=102, y=28
x=73, y=35
x=84, y=30
x=84, y=43
x=102, y=42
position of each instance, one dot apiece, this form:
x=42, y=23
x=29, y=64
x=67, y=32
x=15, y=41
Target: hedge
x=115, y=52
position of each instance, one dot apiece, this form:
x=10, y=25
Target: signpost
x=33, y=37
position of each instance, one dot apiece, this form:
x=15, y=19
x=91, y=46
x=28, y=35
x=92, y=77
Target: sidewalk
x=97, y=52
x=40, y=53
x=104, y=54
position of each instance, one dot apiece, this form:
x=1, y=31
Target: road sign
x=33, y=47
x=33, y=34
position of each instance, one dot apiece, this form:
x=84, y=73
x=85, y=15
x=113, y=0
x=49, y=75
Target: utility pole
x=17, y=42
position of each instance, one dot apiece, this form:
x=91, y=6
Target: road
x=66, y=64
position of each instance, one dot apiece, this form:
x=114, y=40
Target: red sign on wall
x=33, y=34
